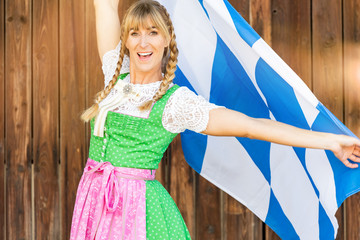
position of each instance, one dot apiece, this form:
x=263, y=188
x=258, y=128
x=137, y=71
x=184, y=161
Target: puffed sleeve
x=186, y=110
x=109, y=63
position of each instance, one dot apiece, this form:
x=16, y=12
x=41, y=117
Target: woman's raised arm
x=225, y=122
x=107, y=25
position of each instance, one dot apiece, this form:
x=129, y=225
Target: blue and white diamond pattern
x=295, y=191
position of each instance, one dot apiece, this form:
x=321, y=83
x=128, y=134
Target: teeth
x=144, y=54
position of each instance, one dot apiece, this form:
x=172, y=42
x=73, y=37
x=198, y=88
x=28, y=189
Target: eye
x=153, y=33
x=134, y=33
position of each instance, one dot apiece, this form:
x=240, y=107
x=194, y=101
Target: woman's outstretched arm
x=107, y=25
x=225, y=122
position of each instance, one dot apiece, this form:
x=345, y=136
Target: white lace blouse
x=184, y=109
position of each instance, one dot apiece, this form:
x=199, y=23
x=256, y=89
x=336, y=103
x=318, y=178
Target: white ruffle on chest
x=130, y=105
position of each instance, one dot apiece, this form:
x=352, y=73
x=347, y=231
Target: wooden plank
x=182, y=185
x=327, y=54
x=351, y=9
x=291, y=35
x=2, y=122
x=18, y=118
x=46, y=126
x=260, y=18
x=72, y=103
x=327, y=61
x=240, y=222
x=291, y=40
x=208, y=210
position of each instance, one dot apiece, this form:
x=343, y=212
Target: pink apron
x=110, y=203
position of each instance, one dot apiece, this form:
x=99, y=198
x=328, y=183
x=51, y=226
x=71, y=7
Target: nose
x=143, y=40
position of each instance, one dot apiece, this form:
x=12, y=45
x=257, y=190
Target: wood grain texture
x=18, y=118
x=351, y=9
x=291, y=35
x=260, y=18
x=208, y=211
x=2, y=122
x=240, y=222
x=72, y=103
x=327, y=59
x=327, y=54
x=45, y=119
x=182, y=185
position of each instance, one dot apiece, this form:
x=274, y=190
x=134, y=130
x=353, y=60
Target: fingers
x=349, y=164
x=354, y=158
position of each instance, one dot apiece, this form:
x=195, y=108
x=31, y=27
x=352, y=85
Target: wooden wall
x=50, y=71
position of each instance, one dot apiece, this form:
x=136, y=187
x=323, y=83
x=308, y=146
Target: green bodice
x=133, y=142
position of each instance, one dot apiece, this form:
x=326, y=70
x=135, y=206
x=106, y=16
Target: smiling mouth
x=144, y=56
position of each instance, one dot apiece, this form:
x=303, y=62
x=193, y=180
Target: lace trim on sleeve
x=109, y=63
x=186, y=110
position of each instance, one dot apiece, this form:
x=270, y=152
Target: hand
x=347, y=148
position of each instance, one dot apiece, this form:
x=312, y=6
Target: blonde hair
x=135, y=17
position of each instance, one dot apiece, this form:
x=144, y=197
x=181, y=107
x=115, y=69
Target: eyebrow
x=152, y=27
x=148, y=28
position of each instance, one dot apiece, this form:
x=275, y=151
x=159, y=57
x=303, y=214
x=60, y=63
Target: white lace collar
x=144, y=92
x=140, y=86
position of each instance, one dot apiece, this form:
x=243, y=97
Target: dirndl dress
x=117, y=196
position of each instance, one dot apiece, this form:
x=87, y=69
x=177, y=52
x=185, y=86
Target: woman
x=137, y=115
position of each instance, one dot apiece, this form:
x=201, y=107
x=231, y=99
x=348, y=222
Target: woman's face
x=146, y=48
